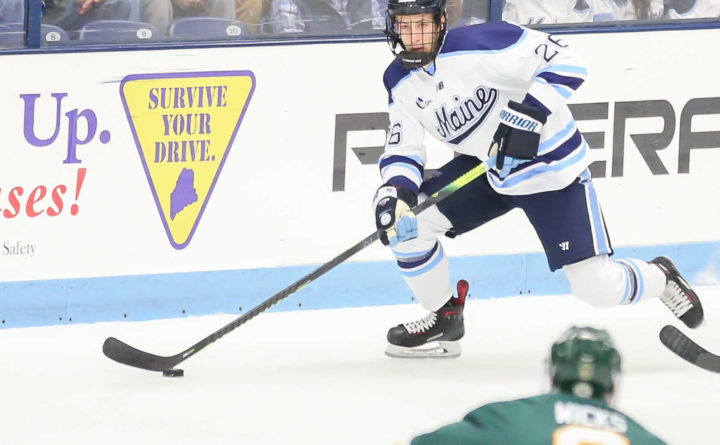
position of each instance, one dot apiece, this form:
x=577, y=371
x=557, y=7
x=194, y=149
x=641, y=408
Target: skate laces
x=675, y=299
x=421, y=325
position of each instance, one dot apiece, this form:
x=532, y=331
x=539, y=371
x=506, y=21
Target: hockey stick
x=126, y=354
x=687, y=349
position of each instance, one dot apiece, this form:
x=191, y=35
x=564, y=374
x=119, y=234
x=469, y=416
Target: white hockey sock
x=603, y=282
x=427, y=274
x=644, y=280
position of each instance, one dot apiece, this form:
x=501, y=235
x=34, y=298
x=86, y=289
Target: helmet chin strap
x=415, y=59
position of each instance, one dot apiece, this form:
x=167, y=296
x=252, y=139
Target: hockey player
x=584, y=365
x=506, y=87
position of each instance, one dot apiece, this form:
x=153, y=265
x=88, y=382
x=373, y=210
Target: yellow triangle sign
x=184, y=125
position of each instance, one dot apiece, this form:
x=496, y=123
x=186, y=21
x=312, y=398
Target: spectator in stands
x=643, y=10
x=249, y=12
x=537, y=12
x=71, y=15
x=473, y=12
x=160, y=13
x=11, y=11
x=616, y=10
x=692, y=9
x=325, y=17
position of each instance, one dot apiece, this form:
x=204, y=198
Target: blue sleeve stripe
x=572, y=82
x=523, y=175
x=533, y=102
x=412, y=171
x=557, y=137
x=562, y=90
x=416, y=159
x=565, y=137
x=412, y=160
x=566, y=68
x=564, y=149
x=402, y=181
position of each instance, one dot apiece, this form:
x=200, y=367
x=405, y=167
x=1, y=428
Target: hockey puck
x=173, y=372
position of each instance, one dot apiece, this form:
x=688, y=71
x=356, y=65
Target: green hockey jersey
x=550, y=419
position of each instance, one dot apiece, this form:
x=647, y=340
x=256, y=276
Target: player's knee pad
x=598, y=281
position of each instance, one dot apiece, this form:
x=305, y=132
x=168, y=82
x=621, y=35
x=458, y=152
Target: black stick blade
x=687, y=349
x=127, y=355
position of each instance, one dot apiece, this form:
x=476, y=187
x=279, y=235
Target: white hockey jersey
x=479, y=69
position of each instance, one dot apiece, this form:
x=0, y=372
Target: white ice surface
x=321, y=378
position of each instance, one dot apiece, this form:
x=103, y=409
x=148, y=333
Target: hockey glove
x=393, y=215
x=517, y=137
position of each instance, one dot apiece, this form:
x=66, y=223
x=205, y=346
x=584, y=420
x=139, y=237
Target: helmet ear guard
x=414, y=59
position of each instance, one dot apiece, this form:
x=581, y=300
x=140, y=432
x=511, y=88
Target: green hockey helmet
x=584, y=362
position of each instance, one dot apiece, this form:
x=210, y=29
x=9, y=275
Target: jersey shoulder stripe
x=394, y=75
x=486, y=37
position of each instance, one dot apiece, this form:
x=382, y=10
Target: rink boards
x=152, y=184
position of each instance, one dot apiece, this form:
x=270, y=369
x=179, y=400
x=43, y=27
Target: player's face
x=418, y=32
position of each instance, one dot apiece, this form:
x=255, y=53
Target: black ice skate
x=439, y=330
x=678, y=296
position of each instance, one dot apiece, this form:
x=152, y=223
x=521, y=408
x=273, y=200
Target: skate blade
x=443, y=349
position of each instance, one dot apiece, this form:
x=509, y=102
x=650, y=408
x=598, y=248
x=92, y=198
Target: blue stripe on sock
x=640, y=283
x=418, y=261
x=628, y=288
x=438, y=257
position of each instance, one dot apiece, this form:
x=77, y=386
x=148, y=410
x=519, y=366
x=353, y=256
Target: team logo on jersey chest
x=459, y=119
x=422, y=103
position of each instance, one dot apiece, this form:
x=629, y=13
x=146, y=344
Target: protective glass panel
x=539, y=12
x=77, y=22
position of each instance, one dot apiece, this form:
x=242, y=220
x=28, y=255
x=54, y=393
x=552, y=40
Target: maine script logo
x=455, y=123
x=184, y=125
